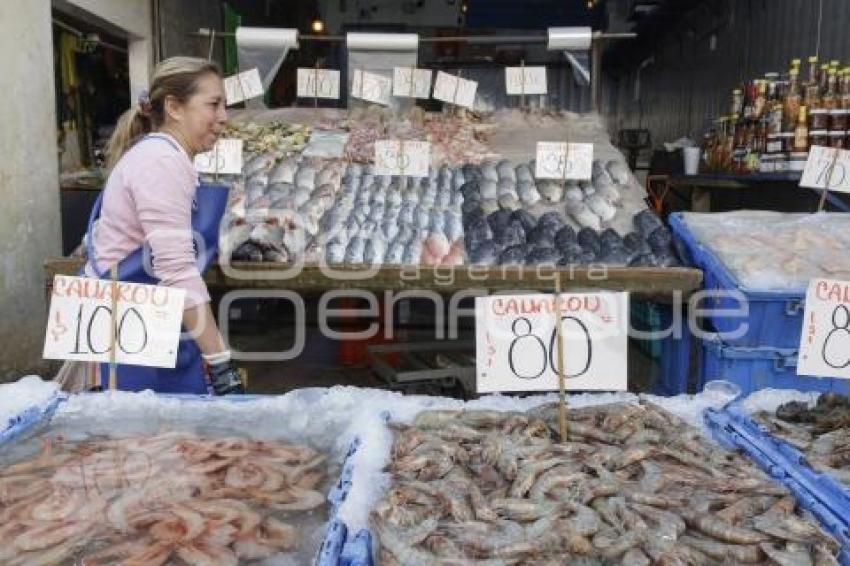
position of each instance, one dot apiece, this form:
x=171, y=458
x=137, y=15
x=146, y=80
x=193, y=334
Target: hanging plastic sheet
x=575, y=43
x=379, y=53
x=265, y=49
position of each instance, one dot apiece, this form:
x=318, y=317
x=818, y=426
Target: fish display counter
x=309, y=196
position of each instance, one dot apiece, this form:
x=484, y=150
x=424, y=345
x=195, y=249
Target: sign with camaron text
x=79, y=325
x=825, y=340
x=561, y=160
x=525, y=80
x=516, y=342
x=225, y=158
x=827, y=165
x=318, y=83
x=395, y=157
x=243, y=86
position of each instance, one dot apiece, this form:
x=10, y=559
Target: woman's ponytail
x=133, y=124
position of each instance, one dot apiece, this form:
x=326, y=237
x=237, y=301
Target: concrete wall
x=29, y=215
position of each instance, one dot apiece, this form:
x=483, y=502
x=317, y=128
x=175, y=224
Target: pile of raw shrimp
x=147, y=500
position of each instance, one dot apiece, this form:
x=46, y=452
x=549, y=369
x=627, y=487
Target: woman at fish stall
x=149, y=198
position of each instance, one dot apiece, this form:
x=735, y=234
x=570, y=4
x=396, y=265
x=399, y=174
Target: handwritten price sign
x=371, y=87
x=411, y=83
x=516, y=342
x=559, y=160
x=825, y=341
x=525, y=80
x=225, y=158
x=318, y=83
x=827, y=165
x=243, y=86
x=410, y=158
x=455, y=90
x=148, y=322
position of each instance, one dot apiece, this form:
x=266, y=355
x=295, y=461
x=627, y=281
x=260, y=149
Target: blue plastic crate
x=29, y=419
x=775, y=318
x=358, y=550
x=752, y=369
x=818, y=493
x=332, y=544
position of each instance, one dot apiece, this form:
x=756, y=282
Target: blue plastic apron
x=188, y=375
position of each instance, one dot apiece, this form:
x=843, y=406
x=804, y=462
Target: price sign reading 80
x=825, y=338
x=517, y=341
x=529, y=355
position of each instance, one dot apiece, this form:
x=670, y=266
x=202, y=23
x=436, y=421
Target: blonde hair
x=177, y=77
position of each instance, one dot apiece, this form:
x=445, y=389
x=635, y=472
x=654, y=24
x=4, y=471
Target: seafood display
x=774, y=250
x=471, y=209
x=395, y=220
x=155, y=499
x=821, y=431
x=632, y=484
x=268, y=138
x=455, y=139
x=273, y=214
x=572, y=227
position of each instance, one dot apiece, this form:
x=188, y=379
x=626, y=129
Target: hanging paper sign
x=371, y=87
x=318, y=83
x=225, y=158
x=148, y=322
x=827, y=168
x=243, y=86
x=561, y=160
x=455, y=90
x=825, y=340
x=411, y=83
x=525, y=80
x=516, y=342
x=409, y=158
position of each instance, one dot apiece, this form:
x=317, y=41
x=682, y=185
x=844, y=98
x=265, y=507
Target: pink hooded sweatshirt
x=148, y=196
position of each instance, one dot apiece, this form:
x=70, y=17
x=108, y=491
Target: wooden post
x=113, y=329
x=562, y=400
x=825, y=191
x=316, y=84
x=522, y=84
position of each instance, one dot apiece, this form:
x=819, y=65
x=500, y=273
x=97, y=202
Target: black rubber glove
x=225, y=379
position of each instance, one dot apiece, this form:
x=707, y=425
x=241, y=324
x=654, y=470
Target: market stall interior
x=310, y=191
x=493, y=282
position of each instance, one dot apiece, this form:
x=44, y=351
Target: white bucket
x=691, y=156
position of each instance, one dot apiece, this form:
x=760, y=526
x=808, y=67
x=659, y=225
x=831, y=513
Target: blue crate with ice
x=818, y=492
x=763, y=367
x=762, y=261
x=25, y=405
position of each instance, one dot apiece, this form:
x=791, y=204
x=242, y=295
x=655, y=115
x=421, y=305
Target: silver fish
x=283, y=172
x=618, y=171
